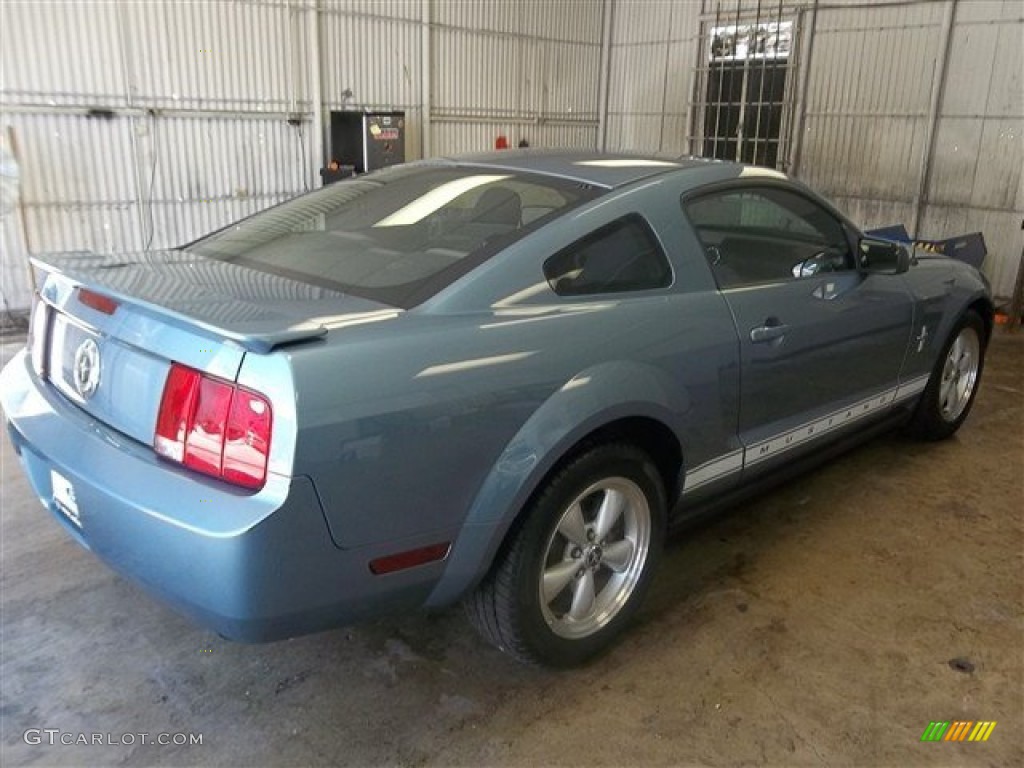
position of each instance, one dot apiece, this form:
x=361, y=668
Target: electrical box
x=367, y=140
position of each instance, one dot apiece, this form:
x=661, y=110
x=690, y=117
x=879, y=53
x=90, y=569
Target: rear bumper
x=251, y=567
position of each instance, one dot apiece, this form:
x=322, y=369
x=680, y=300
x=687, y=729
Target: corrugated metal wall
x=977, y=169
x=191, y=103
x=145, y=124
x=527, y=71
x=653, y=57
x=871, y=67
x=869, y=107
x=371, y=58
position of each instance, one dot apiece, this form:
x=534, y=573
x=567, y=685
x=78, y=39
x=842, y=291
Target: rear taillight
x=214, y=427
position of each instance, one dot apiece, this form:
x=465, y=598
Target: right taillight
x=214, y=427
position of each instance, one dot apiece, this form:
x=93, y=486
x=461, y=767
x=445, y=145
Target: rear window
x=397, y=236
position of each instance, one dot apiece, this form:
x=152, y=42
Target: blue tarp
x=968, y=248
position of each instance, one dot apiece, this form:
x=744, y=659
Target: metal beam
x=605, y=76
x=801, y=120
x=441, y=117
x=316, y=95
x=426, y=65
x=938, y=91
x=145, y=228
x=100, y=112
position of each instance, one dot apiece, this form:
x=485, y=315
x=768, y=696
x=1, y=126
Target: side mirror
x=882, y=257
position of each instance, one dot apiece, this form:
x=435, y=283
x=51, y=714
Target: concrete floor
x=816, y=626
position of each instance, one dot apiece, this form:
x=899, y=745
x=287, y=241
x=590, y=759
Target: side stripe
x=735, y=461
x=908, y=389
x=713, y=470
x=766, y=449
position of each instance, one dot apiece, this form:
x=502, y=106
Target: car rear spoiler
x=134, y=279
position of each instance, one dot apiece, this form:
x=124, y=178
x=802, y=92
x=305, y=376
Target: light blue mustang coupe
x=496, y=379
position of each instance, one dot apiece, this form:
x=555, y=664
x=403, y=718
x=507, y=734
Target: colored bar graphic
x=934, y=731
x=958, y=730
x=982, y=731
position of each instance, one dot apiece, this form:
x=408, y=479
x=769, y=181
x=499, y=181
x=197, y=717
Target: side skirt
x=687, y=514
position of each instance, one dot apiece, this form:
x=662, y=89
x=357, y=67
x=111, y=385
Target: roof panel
x=597, y=168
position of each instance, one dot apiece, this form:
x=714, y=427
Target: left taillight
x=214, y=427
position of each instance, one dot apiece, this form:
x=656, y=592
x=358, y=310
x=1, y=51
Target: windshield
x=397, y=236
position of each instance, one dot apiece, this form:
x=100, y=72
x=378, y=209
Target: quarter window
x=766, y=235
x=621, y=256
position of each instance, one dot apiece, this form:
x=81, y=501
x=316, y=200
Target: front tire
x=953, y=385
x=575, y=572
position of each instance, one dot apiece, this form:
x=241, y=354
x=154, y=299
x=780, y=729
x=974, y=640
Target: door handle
x=770, y=331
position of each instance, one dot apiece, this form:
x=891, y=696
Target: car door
x=821, y=344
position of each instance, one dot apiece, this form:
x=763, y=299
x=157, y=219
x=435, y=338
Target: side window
x=621, y=256
x=757, y=235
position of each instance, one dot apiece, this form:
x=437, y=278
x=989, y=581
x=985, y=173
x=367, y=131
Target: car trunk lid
x=107, y=328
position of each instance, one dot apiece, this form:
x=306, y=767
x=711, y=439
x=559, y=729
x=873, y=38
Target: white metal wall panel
x=654, y=50
x=522, y=70
x=634, y=133
x=977, y=178
x=868, y=111
x=199, y=174
x=16, y=285
x=211, y=54
x=483, y=74
x=79, y=189
x=222, y=76
x=638, y=79
x=60, y=53
x=455, y=137
x=171, y=152
x=570, y=86
x=77, y=182
x=865, y=128
x=375, y=56
x=568, y=20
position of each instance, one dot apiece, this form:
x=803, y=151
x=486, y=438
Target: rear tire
x=571, y=577
x=953, y=385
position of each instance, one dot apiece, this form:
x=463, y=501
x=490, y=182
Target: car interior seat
x=499, y=207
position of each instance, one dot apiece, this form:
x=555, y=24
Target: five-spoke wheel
x=959, y=373
x=594, y=557
x=577, y=567
x=947, y=399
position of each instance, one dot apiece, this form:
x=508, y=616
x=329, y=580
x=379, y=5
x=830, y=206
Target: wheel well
x=986, y=312
x=649, y=435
